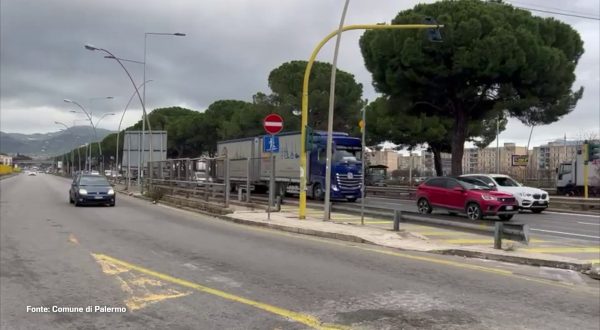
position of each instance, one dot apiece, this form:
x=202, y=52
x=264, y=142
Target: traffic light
x=434, y=34
x=309, y=144
x=593, y=151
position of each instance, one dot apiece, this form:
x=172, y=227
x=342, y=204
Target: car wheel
x=351, y=200
x=452, y=213
x=318, y=193
x=111, y=204
x=505, y=217
x=76, y=203
x=474, y=212
x=423, y=206
x=70, y=200
x=537, y=210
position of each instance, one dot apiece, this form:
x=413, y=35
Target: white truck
x=570, y=177
x=346, y=168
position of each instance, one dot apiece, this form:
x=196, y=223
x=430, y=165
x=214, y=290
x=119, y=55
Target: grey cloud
x=229, y=50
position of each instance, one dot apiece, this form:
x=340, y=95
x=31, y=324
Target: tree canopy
x=494, y=61
x=286, y=83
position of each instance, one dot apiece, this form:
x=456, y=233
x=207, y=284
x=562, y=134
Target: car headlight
x=111, y=191
x=335, y=188
x=488, y=197
x=82, y=192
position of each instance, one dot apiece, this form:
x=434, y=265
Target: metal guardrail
x=518, y=232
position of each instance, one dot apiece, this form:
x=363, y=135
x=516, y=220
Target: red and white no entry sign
x=273, y=123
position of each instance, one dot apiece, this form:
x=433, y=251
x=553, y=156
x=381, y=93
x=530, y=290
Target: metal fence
x=204, y=179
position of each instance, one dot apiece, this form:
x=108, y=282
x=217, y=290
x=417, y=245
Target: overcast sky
x=230, y=48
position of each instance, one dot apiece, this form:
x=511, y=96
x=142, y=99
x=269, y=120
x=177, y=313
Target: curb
x=6, y=176
x=592, y=270
x=580, y=267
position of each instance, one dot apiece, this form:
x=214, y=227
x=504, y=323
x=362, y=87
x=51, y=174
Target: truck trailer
x=570, y=177
x=247, y=157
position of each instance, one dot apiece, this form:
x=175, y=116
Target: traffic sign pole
x=272, y=179
x=272, y=124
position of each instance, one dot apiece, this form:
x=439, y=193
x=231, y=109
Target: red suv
x=460, y=195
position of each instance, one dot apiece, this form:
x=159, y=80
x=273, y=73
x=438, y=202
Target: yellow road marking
x=73, y=239
x=479, y=241
x=407, y=256
x=570, y=249
x=497, y=271
x=441, y=233
x=298, y=317
x=142, y=291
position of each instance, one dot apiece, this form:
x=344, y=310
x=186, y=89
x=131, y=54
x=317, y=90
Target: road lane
x=52, y=243
x=550, y=223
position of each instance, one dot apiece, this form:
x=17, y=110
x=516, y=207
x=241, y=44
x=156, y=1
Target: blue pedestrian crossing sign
x=271, y=143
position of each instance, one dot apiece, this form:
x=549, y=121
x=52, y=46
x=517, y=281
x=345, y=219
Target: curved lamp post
x=92, y=48
x=68, y=129
x=121, y=121
x=146, y=34
x=303, y=153
x=91, y=123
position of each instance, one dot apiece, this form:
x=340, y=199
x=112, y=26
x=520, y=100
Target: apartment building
x=424, y=164
x=477, y=160
x=550, y=155
x=388, y=158
x=6, y=160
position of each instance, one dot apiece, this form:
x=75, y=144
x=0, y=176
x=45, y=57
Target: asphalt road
x=567, y=225
x=173, y=269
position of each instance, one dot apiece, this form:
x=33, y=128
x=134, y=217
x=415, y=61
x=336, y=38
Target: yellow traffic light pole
x=303, y=158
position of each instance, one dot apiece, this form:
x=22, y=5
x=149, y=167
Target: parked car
x=91, y=189
x=460, y=196
x=529, y=198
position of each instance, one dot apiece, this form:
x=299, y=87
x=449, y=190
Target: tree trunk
x=437, y=161
x=459, y=133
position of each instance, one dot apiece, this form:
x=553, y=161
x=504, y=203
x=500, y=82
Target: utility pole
x=498, y=145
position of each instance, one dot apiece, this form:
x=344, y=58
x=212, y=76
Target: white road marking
x=589, y=223
x=575, y=214
x=560, y=232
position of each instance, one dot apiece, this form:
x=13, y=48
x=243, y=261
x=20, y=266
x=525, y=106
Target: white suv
x=529, y=198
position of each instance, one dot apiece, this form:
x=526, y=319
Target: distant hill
x=48, y=144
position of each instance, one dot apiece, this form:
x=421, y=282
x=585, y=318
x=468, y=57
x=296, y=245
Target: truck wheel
x=318, y=193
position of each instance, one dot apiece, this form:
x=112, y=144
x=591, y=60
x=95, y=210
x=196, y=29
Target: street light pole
x=145, y=117
x=327, y=210
x=141, y=158
x=303, y=153
x=91, y=123
x=119, y=130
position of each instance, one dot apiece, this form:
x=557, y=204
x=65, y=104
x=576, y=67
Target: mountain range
x=48, y=144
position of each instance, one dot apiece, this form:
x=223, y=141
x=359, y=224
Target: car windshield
x=473, y=184
x=504, y=181
x=347, y=154
x=93, y=181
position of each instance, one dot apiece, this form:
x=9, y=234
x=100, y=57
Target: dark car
x=473, y=198
x=91, y=189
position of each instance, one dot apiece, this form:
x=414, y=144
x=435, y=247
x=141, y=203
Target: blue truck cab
x=346, y=166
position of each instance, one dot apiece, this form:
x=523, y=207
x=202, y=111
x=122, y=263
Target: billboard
x=520, y=160
x=133, y=152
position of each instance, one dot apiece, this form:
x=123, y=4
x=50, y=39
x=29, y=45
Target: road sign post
x=273, y=124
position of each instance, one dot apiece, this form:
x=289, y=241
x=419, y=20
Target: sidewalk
x=411, y=237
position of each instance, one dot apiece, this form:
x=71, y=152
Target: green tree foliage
x=495, y=61
x=286, y=83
